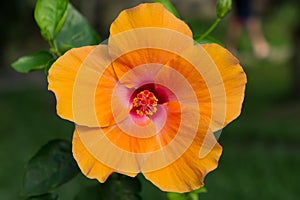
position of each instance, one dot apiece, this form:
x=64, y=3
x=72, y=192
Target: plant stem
x=211, y=28
x=53, y=47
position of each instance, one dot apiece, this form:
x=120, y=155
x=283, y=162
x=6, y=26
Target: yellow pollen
x=145, y=103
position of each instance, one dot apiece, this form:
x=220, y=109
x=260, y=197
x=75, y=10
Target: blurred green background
x=261, y=157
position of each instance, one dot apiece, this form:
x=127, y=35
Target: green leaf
x=76, y=32
x=50, y=16
x=176, y=196
x=49, y=168
x=209, y=40
x=169, y=6
x=200, y=190
x=93, y=192
x=48, y=196
x=121, y=187
x=36, y=61
x=46, y=69
x=116, y=187
x=192, y=196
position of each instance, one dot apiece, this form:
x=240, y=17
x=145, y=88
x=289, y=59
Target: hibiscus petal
x=193, y=77
x=127, y=154
x=136, y=40
x=88, y=164
x=143, y=46
x=143, y=60
x=148, y=15
x=131, y=138
x=93, y=90
x=62, y=77
x=187, y=173
x=83, y=81
x=105, y=151
x=209, y=87
x=233, y=76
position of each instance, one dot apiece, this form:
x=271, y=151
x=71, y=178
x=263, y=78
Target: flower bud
x=223, y=7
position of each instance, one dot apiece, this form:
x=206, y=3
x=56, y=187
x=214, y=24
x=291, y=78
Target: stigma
x=145, y=103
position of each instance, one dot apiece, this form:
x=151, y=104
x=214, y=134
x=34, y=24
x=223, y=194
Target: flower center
x=145, y=103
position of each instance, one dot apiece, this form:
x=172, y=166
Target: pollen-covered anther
x=145, y=103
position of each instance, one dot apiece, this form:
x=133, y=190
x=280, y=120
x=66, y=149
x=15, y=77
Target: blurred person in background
x=244, y=16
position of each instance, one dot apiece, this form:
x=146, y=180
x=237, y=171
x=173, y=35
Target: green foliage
x=223, y=8
x=63, y=27
x=50, y=16
x=209, y=40
x=205, y=38
x=36, y=61
x=186, y=196
x=76, y=32
x=169, y=6
x=48, y=196
x=51, y=166
x=200, y=190
x=93, y=192
x=176, y=196
x=116, y=187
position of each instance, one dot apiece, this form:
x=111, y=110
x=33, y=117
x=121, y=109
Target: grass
x=261, y=148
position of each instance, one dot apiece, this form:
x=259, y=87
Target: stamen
x=145, y=103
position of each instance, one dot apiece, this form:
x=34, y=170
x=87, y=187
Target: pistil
x=145, y=103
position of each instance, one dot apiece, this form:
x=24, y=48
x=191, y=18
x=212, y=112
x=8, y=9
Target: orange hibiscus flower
x=149, y=100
